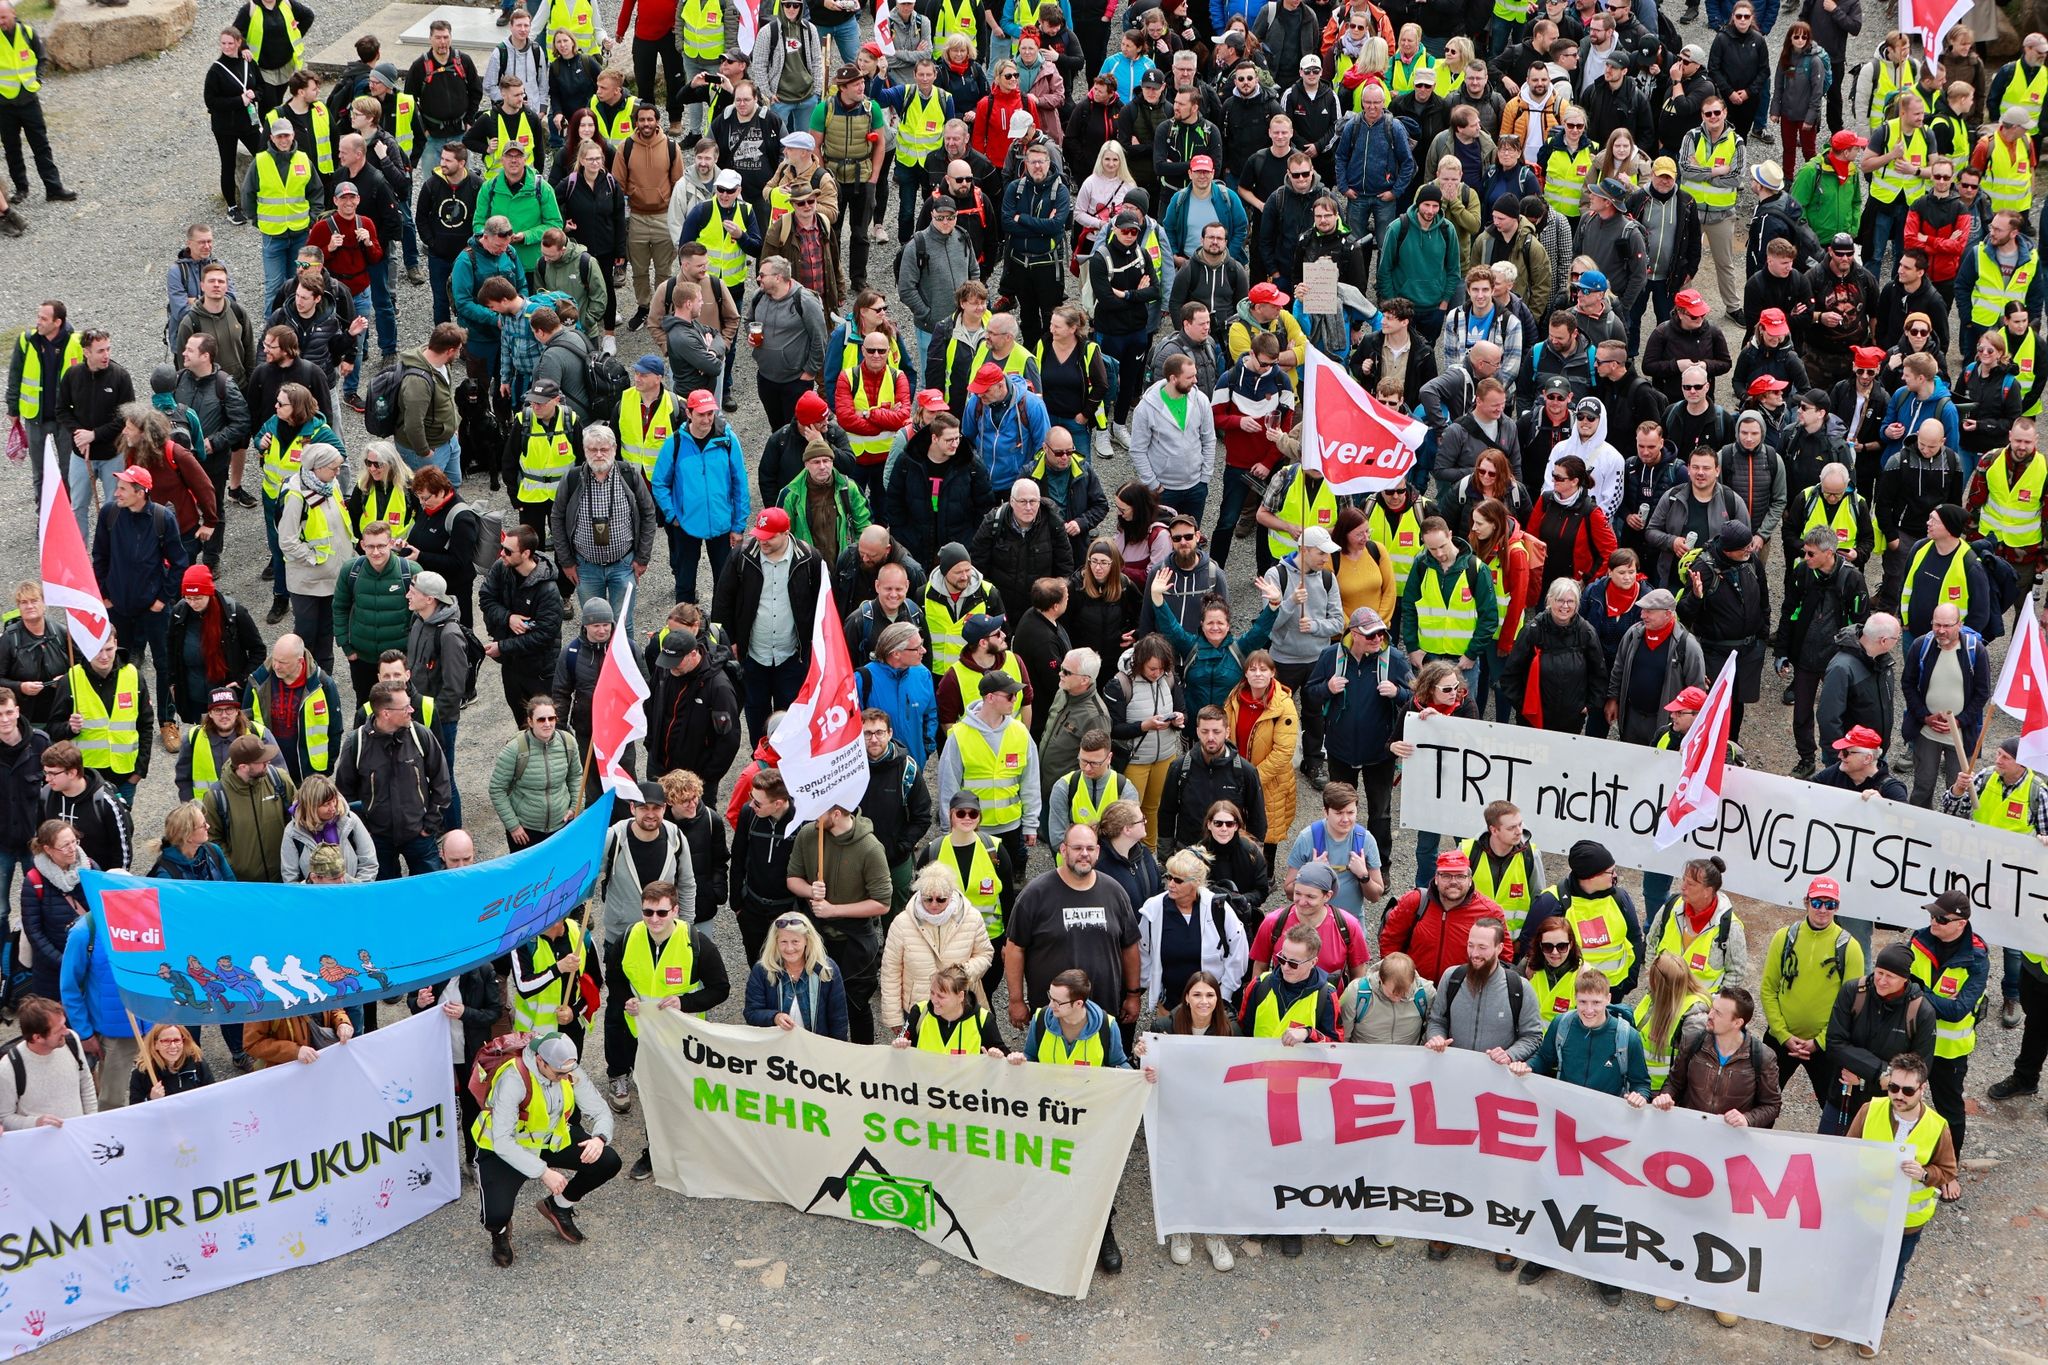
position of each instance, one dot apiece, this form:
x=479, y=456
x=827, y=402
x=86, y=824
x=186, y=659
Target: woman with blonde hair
x=1674, y=1006
x=936, y=930
x=319, y=816
x=1100, y=196
x=187, y=856
x=383, y=492
x=1168, y=955
x=948, y=1021
x=1620, y=159
x=794, y=985
x=174, y=1065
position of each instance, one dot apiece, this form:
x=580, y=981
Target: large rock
x=85, y=36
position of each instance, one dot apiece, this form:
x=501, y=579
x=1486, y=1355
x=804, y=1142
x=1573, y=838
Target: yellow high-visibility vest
x=1925, y=1136
x=579, y=18
x=291, y=32
x=18, y=68
x=615, y=128
x=1952, y=1037
x=110, y=738
x=533, y=1131
x=323, y=138
x=535, y=1014
x=2012, y=511
x=1601, y=930
x=314, y=529
x=1697, y=951
x=548, y=457
x=654, y=977
x=2024, y=92
x=966, y=1040
x=724, y=259
x=1269, y=1022
x=2001, y=807
x=313, y=721
x=1054, y=1049
x=1842, y=521
x=393, y=511
x=30, y=368
x=1564, y=177
x=922, y=127
x=1514, y=891
x=641, y=434
x=1658, y=1052
x=281, y=203
x=1994, y=288
x=1902, y=175
x=995, y=775
x=703, y=27
x=1304, y=509
x=1716, y=156
x=979, y=881
x=1402, y=537
x=2009, y=177
x=1444, y=626
x=1955, y=584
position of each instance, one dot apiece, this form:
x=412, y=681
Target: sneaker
x=1609, y=1295
x=2012, y=1087
x=563, y=1220
x=415, y=274
x=280, y=607
x=878, y=236
x=610, y=344
x=1219, y=1253
x=1342, y=1239
x=1532, y=1272
x=637, y=321
x=237, y=217
x=1726, y=1319
x=1180, y=1248
x=1290, y=1245
x=1382, y=1241
x=173, y=737
x=621, y=1094
x=732, y=402
x=501, y=1249
x=2010, y=1016
x=243, y=1062
x=1663, y=1305
x=1803, y=768
x=242, y=497
x=353, y=402
x=643, y=1169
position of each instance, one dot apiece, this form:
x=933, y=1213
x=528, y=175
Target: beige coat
x=914, y=950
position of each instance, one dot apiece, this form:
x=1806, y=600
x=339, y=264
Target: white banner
x=1011, y=1168
x=1776, y=833
x=168, y=1200
x=1249, y=1137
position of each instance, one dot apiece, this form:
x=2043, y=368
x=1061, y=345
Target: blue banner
x=233, y=952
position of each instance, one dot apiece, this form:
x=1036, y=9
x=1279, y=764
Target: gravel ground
x=762, y=1279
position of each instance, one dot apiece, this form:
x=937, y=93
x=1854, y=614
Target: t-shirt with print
x=1058, y=927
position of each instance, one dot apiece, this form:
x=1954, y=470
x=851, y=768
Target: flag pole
x=148, y=1062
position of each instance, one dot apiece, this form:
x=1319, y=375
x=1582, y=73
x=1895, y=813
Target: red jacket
x=1434, y=940
x=891, y=410
x=991, y=136
x=655, y=19
x=181, y=484
x=1944, y=246
x=1590, y=548
x=348, y=259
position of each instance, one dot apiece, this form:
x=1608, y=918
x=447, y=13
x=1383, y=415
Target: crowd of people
x=1116, y=236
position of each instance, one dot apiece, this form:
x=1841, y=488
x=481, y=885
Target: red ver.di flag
x=885, y=38
x=618, y=709
x=824, y=763
x=749, y=24
x=68, y=580
x=1932, y=19
x=1348, y=436
x=2022, y=690
x=1703, y=759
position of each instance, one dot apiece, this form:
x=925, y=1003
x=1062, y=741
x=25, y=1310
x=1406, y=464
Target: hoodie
x=952, y=775
x=1324, y=611
x=1172, y=453
x=1421, y=263
x=855, y=867
x=1098, y=1025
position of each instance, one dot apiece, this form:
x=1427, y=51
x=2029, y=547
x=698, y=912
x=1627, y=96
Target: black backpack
x=473, y=649
x=13, y=1050
x=381, y=408
x=608, y=382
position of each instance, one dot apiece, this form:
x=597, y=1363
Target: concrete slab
x=83, y=37
x=475, y=32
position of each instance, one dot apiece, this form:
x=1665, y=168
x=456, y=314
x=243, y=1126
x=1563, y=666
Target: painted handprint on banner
x=322, y=1216
x=245, y=1237
x=74, y=1288
x=359, y=1220
x=419, y=1178
x=398, y=1092
x=384, y=1189
x=209, y=1246
x=292, y=1245
x=241, y=1130
x=124, y=1277
x=176, y=1268
x=111, y=1149
x=187, y=1154
x=32, y=1321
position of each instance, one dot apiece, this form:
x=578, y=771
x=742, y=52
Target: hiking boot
x=1109, y=1260
x=2013, y=1087
x=280, y=607
x=2010, y=1016
x=1219, y=1253
x=1290, y=1245
x=1532, y=1272
x=643, y=1169
x=243, y=1061
x=563, y=1220
x=415, y=274
x=1439, y=1251
x=621, y=1095
x=501, y=1249
x=1804, y=767
x=173, y=737
x=1313, y=772
x=1180, y=1247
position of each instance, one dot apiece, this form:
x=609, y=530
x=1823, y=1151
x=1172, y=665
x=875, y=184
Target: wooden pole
x=1983, y=728
x=148, y=1062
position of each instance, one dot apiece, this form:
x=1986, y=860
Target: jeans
x=412, y=236
x=438, y=271
x=79, y=473
x=845, y=36
x=796, y=114
x=1426, y=843
x=447, y=457
x=386, y=310
x=1192, y=501
x=1908, y=1244
x=444, y=729
x=361, y=351
x=1887, y=222
x=420, y=852
x=271, y=508
x=910, y=188
x=1718, y=12
x=613, y=582
x=770, y=687
x=1935, y=765
x=279, y=252
x=682, y=557
x=149, y=630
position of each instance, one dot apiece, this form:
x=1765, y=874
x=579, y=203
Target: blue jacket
x=1578, y=1055
x=766, y=995
x=1910, y=412
x=1360, y=723
x=702, y=486
x=1967, y=953
x=1098, y=1023
x=1976, y=684
x=138, y=558
x=1036, y=217
x=1009, y=438
x=1221, y=12
x=1373, y=159
x=1229, y=212
x=910, y=697
x=92, y=1006
x=472, y=268
x=1212, y=672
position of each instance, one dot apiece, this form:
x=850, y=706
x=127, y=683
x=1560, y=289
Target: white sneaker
x=611, y=344
x=1342, y=1239
x=1382, y=1241
x=1219, y=1253
x=1181, y=1247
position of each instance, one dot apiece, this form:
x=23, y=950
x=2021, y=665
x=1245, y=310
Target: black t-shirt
x=1059, y=927
x=650, y=856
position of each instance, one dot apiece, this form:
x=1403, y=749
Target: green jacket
x=1832, y=204
x=853, y=510
x=247, y=820
x=370, y=614
x=533, y=785
x=531, y=208
x=1421, y=264
x=585, y=284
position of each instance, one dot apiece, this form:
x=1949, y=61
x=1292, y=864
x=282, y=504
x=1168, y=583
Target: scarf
x=1698, y=920
x=1620, y=608
x=944, y=916
x=1532, y=693
x=65, y=882
x=1655, y=638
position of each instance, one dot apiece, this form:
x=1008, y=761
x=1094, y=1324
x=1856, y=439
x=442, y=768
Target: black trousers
x=1945, y=1086
x=856, y=207
x=24, y=115
x=778, y=398
x=521, y=686
x=1816, y=1069
x=1294, y=677
x=648, y=51
x=1038, y=287
x=498, y=1184
x=2034, y=1038
x=859, y=960
x=232, y=132
x=362, y=676
x=1375, y=783
x=534, y=514
x=621, y=1047
x=1805, y=692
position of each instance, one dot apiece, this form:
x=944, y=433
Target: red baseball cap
x=1203, y=163
x=770, y=522
x=1691, y=302
x=1453, y=860
x=1692, y=699
x=1846, y=140
x=989, y=376
x=932, y=400
x=1823, y=886
x=138, y=476
x=1765, y=383
x=811, y=410
x=1773, y=320
x=1273, y=294
x=703, y=400
x=1859, y=737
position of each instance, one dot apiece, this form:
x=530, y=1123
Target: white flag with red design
x=749, y=25
x=68, y=580
x=885, y=37
x=1350, y=437
x=618, y=708
x=1703, y=759
x=1932, y=19
x=2022, y=690
x=823, y=761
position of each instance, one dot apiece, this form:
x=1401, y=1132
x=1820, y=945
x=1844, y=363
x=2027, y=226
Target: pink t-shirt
x=1338, y=955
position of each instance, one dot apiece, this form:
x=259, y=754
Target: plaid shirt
x=1966, y=806
x=518, y=348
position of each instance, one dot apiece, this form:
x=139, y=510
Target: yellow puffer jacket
x=1275, y=736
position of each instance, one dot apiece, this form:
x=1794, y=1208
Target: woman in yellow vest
x=1552, y=968
x=383, y=493
x=795, y=985
x=1674, y=1005
x=1903, y=1116
x=949, y=1023
x=1395, y=521
x=1700, y=926
x=280, y=444
x=978, y=863
x=275, y=35
x=939, y=931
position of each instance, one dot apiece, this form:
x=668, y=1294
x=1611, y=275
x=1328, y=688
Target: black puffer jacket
x=1817, y=607
x=1857, y=690
x=922, y=519
x=1570, y=668
x=1013, y=557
